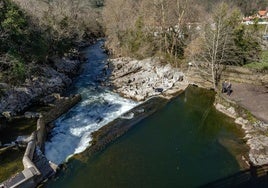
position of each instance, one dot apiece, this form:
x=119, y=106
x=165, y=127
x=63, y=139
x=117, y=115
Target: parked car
x=265, y=37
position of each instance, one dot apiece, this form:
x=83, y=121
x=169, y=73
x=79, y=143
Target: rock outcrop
x=143, y=79
x=52, y=79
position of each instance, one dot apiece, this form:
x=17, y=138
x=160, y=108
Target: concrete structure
x=36, y=167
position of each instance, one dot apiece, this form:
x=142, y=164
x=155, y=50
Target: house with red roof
x=262, y=14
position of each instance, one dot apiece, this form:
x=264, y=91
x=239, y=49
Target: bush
x=262, y=65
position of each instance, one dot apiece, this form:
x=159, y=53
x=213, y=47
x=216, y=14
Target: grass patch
x=10, y=163
x=262, y=65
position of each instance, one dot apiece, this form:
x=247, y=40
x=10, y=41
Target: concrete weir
x=36, y=167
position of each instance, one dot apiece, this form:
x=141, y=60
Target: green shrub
x=262, y=64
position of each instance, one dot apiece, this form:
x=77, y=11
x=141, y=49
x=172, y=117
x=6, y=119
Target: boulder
x=66, y=66
x=4, y=85
x=31, y=115
x=158, y=90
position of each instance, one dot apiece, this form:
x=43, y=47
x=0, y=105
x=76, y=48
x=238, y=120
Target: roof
x=262, y=12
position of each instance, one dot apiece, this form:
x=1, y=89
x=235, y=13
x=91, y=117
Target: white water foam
x=72, y=132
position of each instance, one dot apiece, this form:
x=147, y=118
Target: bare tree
x=119, y=17
x=216, y=46
x=162, y=22
x=62, y=18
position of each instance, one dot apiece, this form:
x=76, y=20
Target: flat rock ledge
x=256, y=134
x=142, y=79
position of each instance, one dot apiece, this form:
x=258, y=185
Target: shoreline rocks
x=140, y=80
x=52, y=79
x=255, y=132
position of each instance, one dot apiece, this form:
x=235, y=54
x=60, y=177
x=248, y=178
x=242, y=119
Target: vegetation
x=181, y=30
x=11, y=163
x=224, y=41
x=145, y=28
x=262, y=65
x=248, y=8
x=17, y=41
x=30, y=31
x=174, y=30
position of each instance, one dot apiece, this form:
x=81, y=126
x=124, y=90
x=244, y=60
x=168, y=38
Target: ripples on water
x=99, y=106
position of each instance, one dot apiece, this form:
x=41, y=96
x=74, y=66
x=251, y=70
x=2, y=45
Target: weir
x=170, y=148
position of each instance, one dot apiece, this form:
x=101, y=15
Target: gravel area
x=253, y=98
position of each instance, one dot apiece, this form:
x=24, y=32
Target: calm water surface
x=185, y=144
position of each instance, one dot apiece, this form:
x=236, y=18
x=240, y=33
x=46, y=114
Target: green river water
x=185, y=144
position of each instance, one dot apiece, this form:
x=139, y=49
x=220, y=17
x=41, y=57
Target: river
x=185, y=144
x=99, y=106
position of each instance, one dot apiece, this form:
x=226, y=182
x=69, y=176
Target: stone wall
x=30, y=175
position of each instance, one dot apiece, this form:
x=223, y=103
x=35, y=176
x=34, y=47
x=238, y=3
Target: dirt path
x=253, y=98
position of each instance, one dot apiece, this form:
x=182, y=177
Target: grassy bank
x=262, y=65
x=11, y=159
x=10, y=162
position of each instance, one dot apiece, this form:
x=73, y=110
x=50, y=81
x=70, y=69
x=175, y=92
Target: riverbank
x=53, y=78
x=130, y=81
x=247, y=107
x=139, y=80
x=18, y=119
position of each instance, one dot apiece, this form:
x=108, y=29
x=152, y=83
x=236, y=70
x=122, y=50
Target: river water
x=99, y=106
x=185, y=144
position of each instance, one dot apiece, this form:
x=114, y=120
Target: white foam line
x=72, y=132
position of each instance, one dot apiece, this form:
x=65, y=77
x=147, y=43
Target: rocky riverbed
x=140, y=80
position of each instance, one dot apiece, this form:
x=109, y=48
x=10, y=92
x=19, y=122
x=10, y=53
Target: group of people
x=226, y=87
